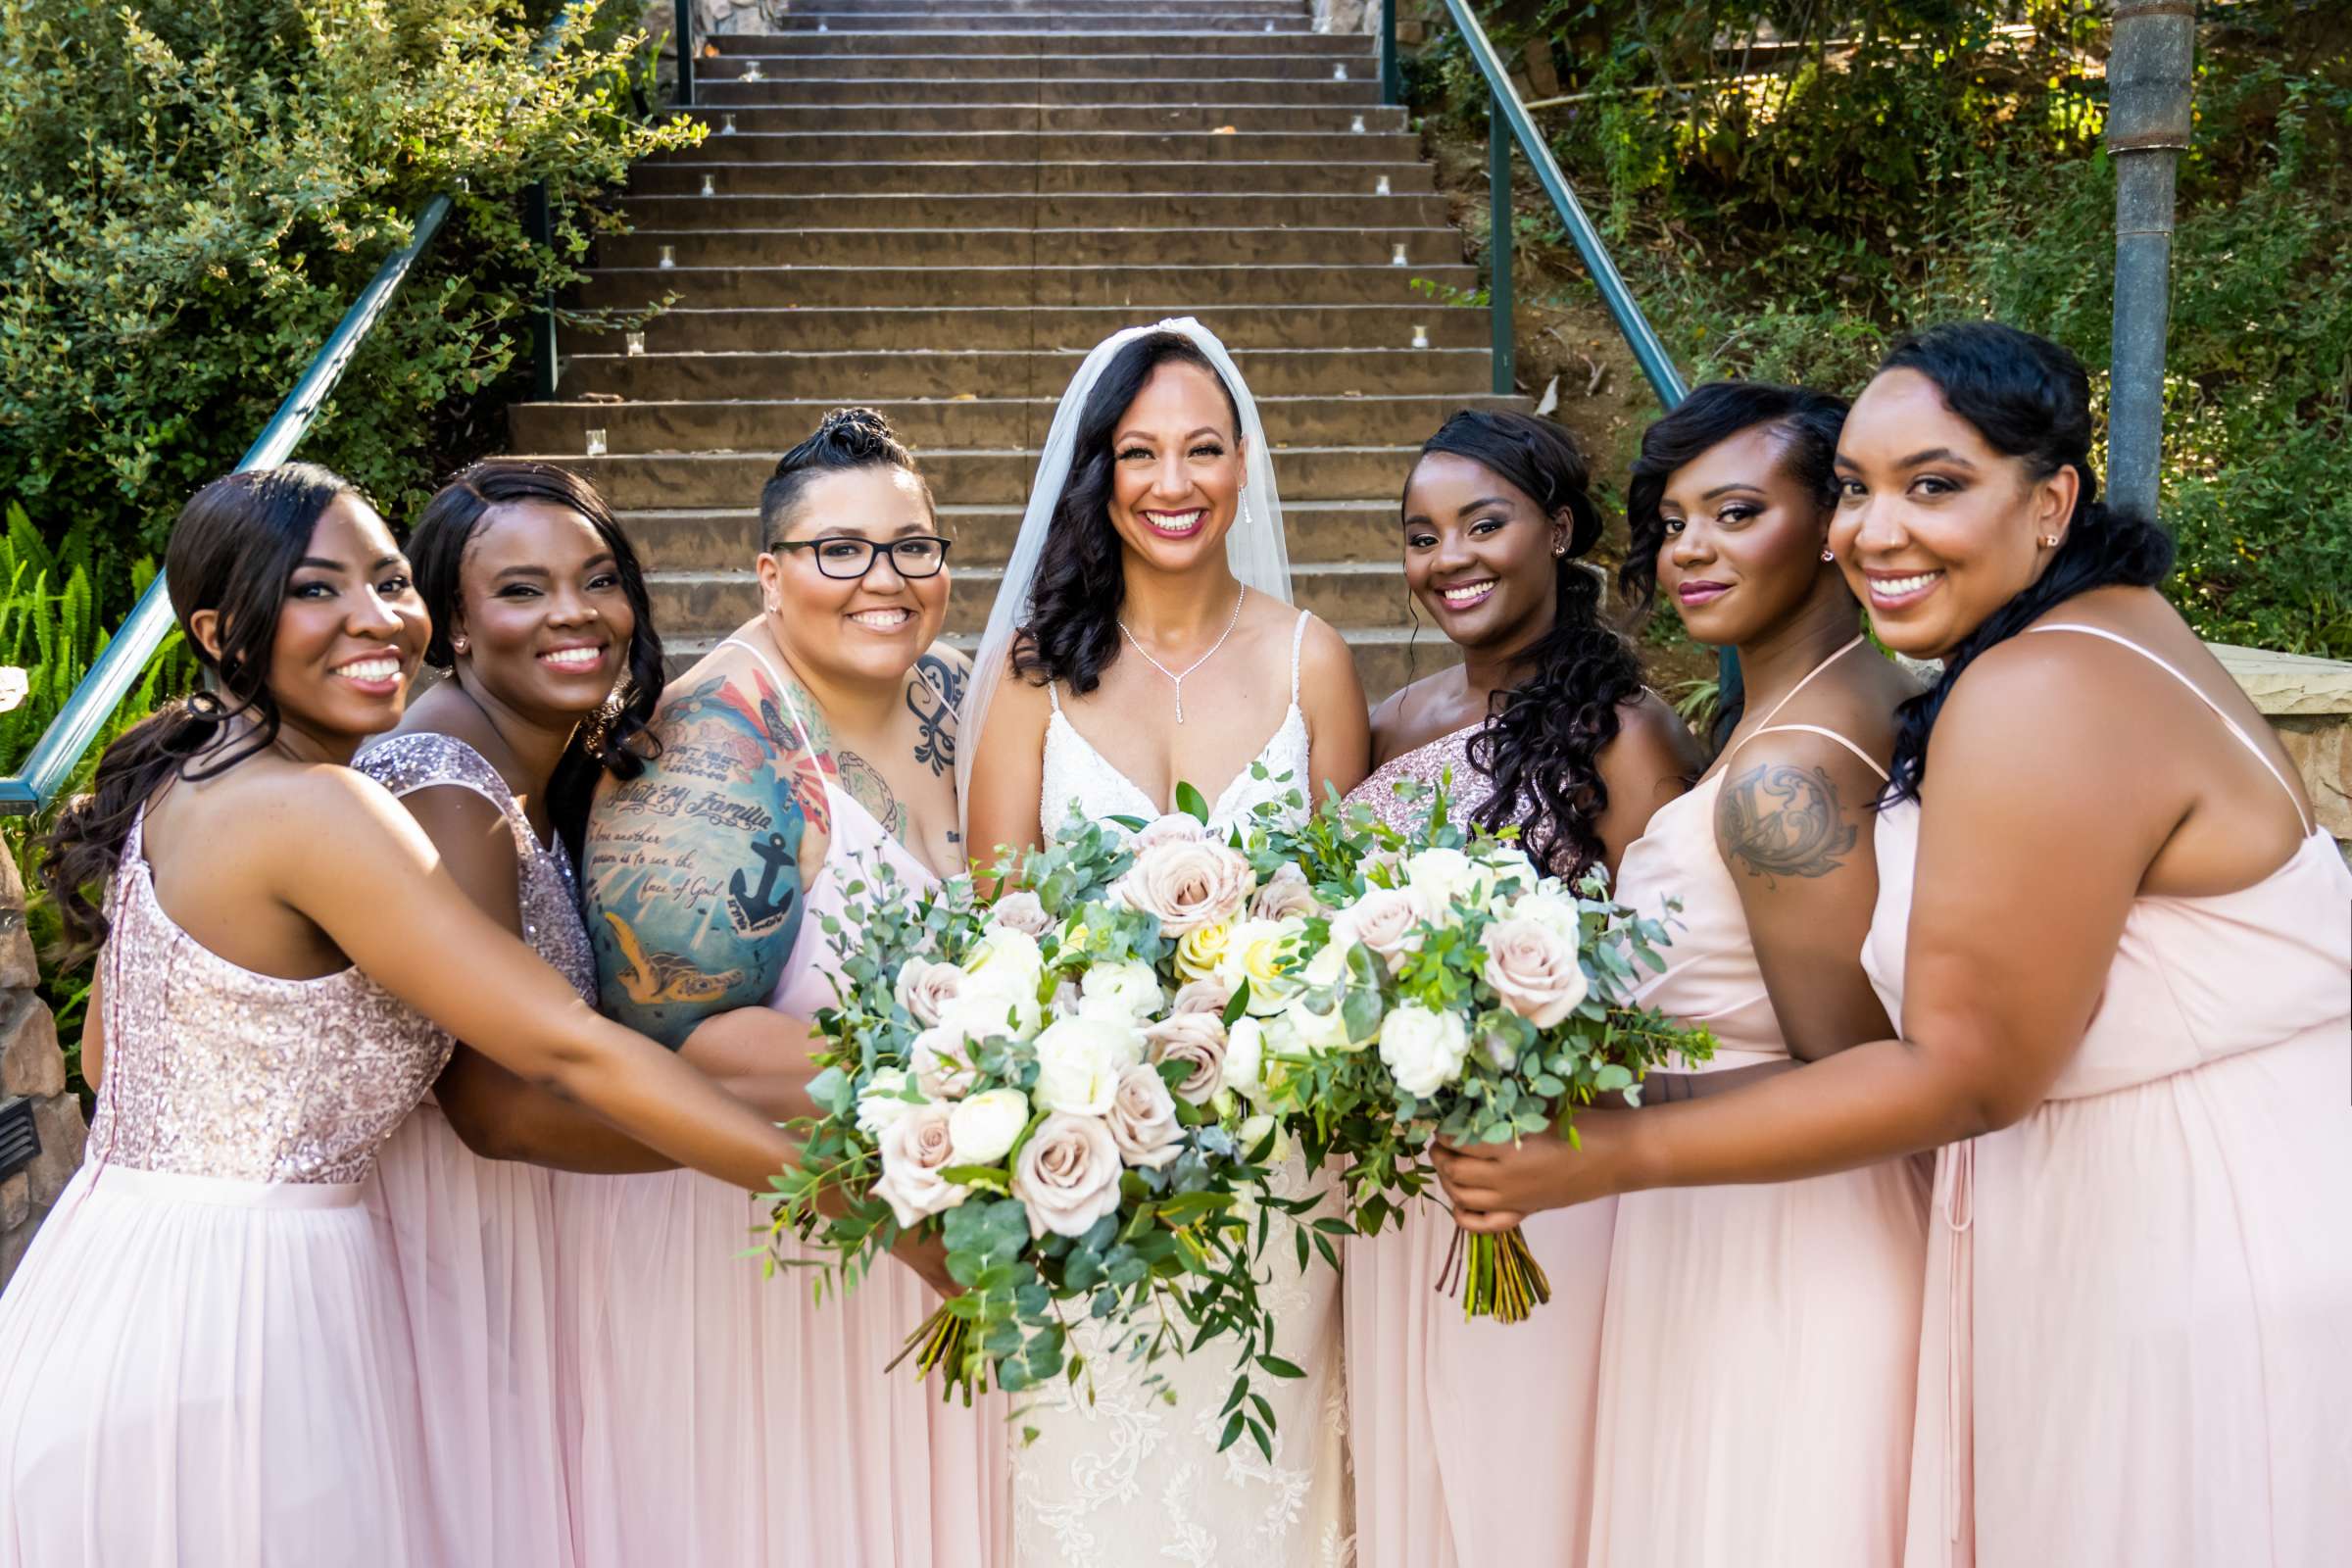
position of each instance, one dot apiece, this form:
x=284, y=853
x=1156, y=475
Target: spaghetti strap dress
x=204, y=1358
x=1760, y=1344
x=2138, y=1332
x=474, y=1240
x=730, y=1419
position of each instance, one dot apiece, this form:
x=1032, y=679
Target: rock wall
x=32, y=1068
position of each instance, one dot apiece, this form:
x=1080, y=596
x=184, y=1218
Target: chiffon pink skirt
x=1757, y=1368
x=727, y=1419
x=475, y=1244
x=1473, y=1441
x=209, y=1374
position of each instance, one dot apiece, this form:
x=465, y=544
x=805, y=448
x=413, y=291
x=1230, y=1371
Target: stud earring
x=1560, y=550
x=457, y=645
x=1828, y=555
x=2050, y=541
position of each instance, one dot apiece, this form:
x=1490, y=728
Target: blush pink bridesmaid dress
x=727, y=1419
x=1471, y=1441
x=2137, y=1345
x=1760, y=1342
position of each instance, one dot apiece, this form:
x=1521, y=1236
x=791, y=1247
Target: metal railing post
x=546, y=373
x=684, y=28
x=2148, y=75
x=1498, y=245
x=1391, y=69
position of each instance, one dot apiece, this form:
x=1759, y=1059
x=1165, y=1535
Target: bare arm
x=2025, y=878
x=1652, y=761
x=1008, y=774
x=93, y=1033
x=1331, y=696
x=351, y=861
x=693, y=871
x=496, y=1113
x=761, y=1056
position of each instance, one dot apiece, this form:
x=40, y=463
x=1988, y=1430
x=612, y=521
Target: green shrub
x=193, y=192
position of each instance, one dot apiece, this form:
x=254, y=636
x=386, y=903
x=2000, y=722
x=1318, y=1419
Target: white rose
x=915, y=1149
x=1329, y=966
x=1068, y=1175
x=1441, y=878
x=1322, y=1033
x=1424, y=1050
x=941, y=1059
x=1555, y=914
x=1019, y=911
x=1121, y=992
x=1254, y=951
x=1246, y=1057
x=1177, y=827
x=993, y=1002
x=985, y=1127
x=15, y=686
x=1510, y=864
x=1143, y=1119
x=1533, y=971
x=1197, y=1041
x=1079, y=1062
x=1385, y=920
x=926, y=989
x=1253, y=1131
x=884, y=1100
x=1008, y=956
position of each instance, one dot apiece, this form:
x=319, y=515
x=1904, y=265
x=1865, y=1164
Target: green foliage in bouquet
x=986, y=1082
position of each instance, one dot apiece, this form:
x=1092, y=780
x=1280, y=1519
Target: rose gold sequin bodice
x=214, y=1070
x=1444, y=760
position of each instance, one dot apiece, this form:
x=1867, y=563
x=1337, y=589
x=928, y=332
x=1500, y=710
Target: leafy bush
x=194, y=192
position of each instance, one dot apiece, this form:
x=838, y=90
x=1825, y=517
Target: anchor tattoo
x=758, y=913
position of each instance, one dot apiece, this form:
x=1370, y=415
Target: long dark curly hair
x=1711, y=415
x=1542, y=742
x=233, y=549
x=2030, y=399
x=1072, y=634
x=617, y=737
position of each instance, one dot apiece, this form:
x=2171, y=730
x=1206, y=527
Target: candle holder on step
x=709, y=185
x=1338, y=72
x=669, y=259
x=1420, y=336
x=1356, y=127
x=726, y=124
x=751, y=72
x=596, y=442
x=1380, y=187
x=635, y=343
x=1396, y=256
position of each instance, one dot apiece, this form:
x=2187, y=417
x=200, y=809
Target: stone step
x=1189, y=210
x=724, y=81
x=1375, y=419
x=867, y=375
x=968, y=477
x=959, y=249
x=837, y=147
x=1073, y=328
x=1032, y=119
x=724, y=539
x=742, y=53
x=1198, y=285
x=1154, y=20
x=1080, y=177
x=949, y=87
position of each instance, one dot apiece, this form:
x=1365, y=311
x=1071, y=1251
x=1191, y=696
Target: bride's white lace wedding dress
x=1132, y=1478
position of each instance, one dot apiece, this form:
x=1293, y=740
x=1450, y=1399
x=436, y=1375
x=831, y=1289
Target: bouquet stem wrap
x=1494, y=1276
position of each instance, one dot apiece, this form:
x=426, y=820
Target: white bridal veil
x=1254, y=545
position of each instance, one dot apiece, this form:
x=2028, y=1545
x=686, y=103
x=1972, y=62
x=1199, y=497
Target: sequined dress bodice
x=1444, y=761
x=214, y=1070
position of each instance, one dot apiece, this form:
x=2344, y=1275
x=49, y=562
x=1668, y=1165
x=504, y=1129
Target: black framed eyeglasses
x=850, y=559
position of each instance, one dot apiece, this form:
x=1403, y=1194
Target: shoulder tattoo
x=934, y=701
x=869, y=789
x=1777, y=820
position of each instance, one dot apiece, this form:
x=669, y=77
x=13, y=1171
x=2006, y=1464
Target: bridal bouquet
x=1436, y=986
x=1042, y=1078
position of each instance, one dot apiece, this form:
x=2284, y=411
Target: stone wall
x=32, y=1067
x=2309, y=702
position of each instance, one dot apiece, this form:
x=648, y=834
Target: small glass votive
x=596, y=442
x=1380, y=187
x=634, y=342
x=668, y=257
x=1269, y=26
x=709, y=185
x=726, y=124
x=1396, y=256
x=751, y=72
x=1357, y=125
x=1420, y=336
x=1338, y=72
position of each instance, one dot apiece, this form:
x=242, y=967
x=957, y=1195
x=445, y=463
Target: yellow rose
x=1200, y=950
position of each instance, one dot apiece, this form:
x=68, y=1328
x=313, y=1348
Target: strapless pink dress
x=1760, y=1342
x=2137, y=1345
x=731, y=1420
x=1471, y=1441
x=204, y=1360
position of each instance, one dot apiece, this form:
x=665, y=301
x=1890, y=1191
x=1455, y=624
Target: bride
x=1142, y=640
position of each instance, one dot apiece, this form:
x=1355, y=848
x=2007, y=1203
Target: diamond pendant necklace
x=1176, y=677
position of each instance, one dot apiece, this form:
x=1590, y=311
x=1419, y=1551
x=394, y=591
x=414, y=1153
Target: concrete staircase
x=938, y=209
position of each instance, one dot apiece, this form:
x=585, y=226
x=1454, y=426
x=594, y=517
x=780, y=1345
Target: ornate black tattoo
x=934, y=701
x=1782, y=821
x=869, y=789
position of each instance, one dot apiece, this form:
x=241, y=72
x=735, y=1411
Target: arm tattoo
x=869, y=789
x=691, y=871
x=1782, y=821
x=934, y=701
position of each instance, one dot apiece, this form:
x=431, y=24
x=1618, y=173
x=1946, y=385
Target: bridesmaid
x=2121, y=994
x=1778, y=1326
x=727, y=1417
x=1544, y=725
x=202, y=1359
x=539, y=612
